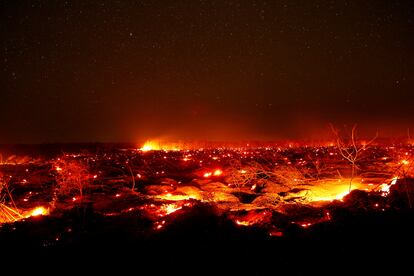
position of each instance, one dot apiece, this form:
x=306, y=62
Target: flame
x=151, y=145
x=172, y=208
x=332, y=197
x=333, y=190
x=8, y=214
x=385, y=188
x=38, y=211
x=340, y=196
x=177, y=197
x=165, y=209
x=157, y=145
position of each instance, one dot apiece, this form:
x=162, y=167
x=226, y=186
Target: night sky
x=124, y=71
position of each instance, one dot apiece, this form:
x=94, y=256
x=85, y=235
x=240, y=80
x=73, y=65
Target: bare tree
x=351, y=149
x=132, y=177
x=255, y=174
x=72, y=177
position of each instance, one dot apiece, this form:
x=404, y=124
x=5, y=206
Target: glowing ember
x=253, y=218
x=218, y=172
x=276, y=233
x=405, y=162
x=159, y=224
x=163, y=210
x=207, y=174
x=169, y=209
x=242, y=223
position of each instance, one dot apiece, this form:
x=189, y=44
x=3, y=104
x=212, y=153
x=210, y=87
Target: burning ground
x=258, y=197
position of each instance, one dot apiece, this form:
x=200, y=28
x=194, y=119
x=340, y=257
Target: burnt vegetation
x=255, y=198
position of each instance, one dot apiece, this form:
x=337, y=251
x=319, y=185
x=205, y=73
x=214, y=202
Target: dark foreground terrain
x=198, y=242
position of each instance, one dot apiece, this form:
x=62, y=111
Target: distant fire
x=157, y=145
x=151, y=145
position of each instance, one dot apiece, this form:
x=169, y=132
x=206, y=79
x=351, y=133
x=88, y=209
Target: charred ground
x=251, y=210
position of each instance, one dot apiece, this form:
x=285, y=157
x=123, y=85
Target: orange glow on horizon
x=150, y=145
x=157, y=145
